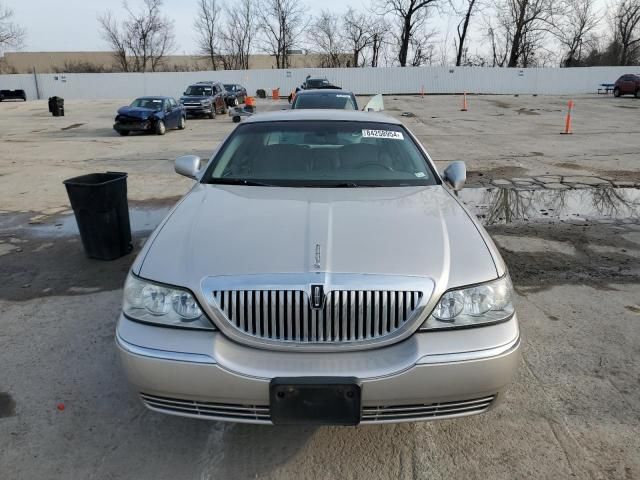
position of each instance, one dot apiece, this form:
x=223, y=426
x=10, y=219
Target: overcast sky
x=71, y=24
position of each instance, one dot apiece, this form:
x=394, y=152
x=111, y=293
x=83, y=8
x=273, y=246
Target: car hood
x=194, y=98
x=241, y=230
x=137, y=112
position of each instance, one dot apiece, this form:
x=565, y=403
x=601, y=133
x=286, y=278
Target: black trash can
x=260, y=93
x=56, y=106
x=99, y=202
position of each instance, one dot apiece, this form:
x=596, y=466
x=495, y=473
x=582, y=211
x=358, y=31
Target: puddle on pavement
x=492, y=206
x=143, y=219
x=7, y=405
x=507, y=205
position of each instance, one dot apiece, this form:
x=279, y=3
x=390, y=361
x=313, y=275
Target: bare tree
x=627, y=30
x=379, y=32
x=499, y=46
x=116, y=40
x=11, y=34
x=467, y=11
x=357, y=35
x=238, y=34
x=422, y=49
x=411, y=16
x=282, y=24
x=143, y=40
x=207, y=24
x=521, y=29
x=574, y=30
x=324, y=32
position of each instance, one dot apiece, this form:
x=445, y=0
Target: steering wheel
x=373, y=164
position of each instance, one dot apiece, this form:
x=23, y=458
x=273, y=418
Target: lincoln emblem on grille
x=317, y=296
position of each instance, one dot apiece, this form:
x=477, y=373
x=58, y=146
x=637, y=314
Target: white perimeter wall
x=543, y=81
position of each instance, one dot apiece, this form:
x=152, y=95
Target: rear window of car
x=317, y=82
x=320, y=154
x=340, y=101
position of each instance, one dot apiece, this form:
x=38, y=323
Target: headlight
x=182, y=100
x=155, y=303
x=478, y=305
x=205, y=103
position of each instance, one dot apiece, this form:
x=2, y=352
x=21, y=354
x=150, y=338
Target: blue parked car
x=150, y=114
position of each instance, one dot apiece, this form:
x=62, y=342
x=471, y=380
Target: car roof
x=153, y=97
x=321, y=114
x=324, y=91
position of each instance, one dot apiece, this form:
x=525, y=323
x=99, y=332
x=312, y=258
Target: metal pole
x=35, y=79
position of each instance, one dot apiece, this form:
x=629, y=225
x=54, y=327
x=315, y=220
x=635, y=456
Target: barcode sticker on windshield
x=382, y=134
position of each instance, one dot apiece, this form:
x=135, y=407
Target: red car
x=627, y=85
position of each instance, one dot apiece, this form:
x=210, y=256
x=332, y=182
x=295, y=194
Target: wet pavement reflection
x=508, y=205
x=142, y=219
x=493, y=205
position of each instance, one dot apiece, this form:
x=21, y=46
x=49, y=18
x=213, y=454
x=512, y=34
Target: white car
x=320, y=271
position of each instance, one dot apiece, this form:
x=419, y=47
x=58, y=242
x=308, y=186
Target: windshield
x=320, y=154
x=340, y=101
x=229, y=88
x=151, y=103
x=199, y=91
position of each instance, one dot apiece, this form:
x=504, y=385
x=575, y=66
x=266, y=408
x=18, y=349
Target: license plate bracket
x=315, y=401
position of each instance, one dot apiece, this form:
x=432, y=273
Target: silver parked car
x=320, y=271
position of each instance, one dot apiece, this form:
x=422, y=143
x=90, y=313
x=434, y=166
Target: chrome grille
x=345, y=316
x=370, y=414
x=233, y=412
x=401, y=413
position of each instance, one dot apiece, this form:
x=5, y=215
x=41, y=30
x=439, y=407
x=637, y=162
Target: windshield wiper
x=239, y=181
x=354, y=185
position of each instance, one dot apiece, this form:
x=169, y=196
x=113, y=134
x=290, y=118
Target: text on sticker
x=382, y=134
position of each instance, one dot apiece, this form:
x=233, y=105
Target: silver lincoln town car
x=320, y=271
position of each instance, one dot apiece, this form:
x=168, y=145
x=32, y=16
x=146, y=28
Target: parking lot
x=563, y=209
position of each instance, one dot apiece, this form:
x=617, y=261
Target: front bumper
x=197, y=109
x=428, y=376
x=141, y=126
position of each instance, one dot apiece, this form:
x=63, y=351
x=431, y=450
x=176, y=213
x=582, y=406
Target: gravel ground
x=573, y=410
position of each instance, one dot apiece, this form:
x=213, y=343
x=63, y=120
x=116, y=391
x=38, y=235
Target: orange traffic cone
x=464, y=102
x=567, y=125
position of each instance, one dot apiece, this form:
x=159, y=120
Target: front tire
x=182, y=124
x=161, y=129
x=616, y=92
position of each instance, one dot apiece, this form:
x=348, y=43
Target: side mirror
x=188, y=165
x=455, y=175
